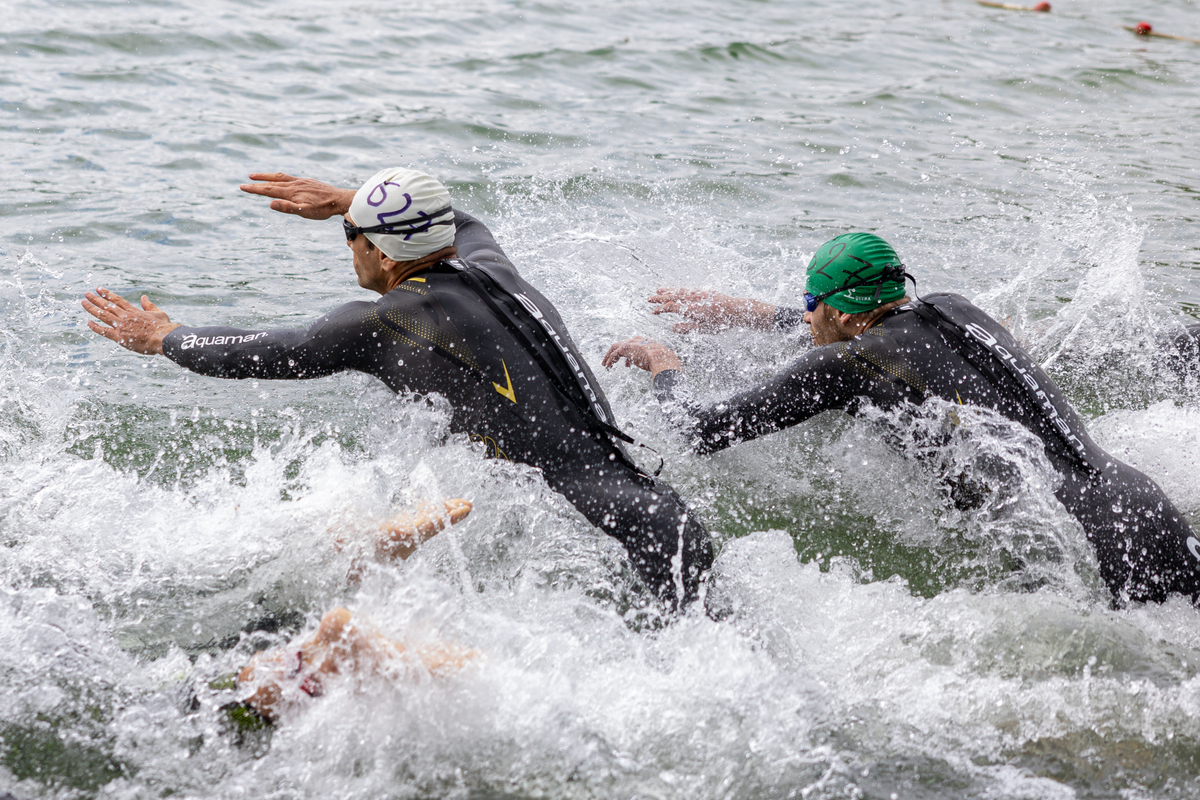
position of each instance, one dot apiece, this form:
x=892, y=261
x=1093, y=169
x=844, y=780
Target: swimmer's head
x=855, y=272
x=405, y=213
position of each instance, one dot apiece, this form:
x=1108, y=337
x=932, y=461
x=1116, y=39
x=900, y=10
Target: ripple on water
x=156, y=527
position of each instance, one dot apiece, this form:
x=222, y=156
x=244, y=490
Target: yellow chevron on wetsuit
x=415, y=340
x=509, y=393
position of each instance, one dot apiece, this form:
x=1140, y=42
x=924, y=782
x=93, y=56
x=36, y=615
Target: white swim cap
x=406, y=213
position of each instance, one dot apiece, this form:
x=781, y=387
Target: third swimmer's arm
x=817, y=381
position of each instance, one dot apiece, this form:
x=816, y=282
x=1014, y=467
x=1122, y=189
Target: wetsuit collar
x=408, y=269
x=907, y=306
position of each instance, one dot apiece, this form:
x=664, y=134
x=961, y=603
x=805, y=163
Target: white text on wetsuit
x=981, y=333
x=192, y=340
x=587, y=387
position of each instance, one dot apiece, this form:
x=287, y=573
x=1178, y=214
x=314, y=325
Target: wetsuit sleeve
x=788, y=319
x=834, y=376
x=475, y=242
x=337, y=341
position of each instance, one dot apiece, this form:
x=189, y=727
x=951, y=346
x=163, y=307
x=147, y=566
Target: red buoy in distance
x=1144, y=29
x=1010, y=7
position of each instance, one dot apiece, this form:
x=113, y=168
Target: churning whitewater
x=866, y=637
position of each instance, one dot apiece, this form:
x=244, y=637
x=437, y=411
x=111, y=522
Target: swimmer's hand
x=642, y=353
x=712, y=312
x=400, y=536
x=303, y=197
x=141, y=330
x=340, y=646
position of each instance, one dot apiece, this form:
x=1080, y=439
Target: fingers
x=628, y=349
x=108, y=333
x=265, y=189
x=109, y=306
x=115, y=298
x=666, y=294
x=138, y=329
x=286, y=206
x=676, y=307
x=91, y=305
x=458, y=510
x=686, y=327
x=277, y=184
x=693, y=303
x=101, y=308
x=613, y=355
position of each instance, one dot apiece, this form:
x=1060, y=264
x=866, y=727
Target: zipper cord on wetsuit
x=982, y=359
x=472, y=280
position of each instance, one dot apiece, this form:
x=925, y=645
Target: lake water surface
x=878, y=643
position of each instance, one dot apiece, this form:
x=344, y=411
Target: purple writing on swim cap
x=409, y=200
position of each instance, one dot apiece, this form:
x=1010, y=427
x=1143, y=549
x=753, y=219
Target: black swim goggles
x=402, y=227
x=889, y=273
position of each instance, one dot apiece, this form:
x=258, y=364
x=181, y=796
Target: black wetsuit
x=944, y=346
x=466, y=329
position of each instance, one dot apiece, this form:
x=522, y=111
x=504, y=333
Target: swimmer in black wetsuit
x=457, y=320
x=876, y=346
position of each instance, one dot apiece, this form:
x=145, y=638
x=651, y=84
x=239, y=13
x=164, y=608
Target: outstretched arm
x=303, y=197
x=826, y=378
x=337, y=341
x=711, y=312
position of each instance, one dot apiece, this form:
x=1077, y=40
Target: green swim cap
x=855, y=272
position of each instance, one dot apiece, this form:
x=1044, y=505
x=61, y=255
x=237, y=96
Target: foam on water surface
x=873, y=640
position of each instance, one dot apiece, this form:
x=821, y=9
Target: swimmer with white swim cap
x=454, y=319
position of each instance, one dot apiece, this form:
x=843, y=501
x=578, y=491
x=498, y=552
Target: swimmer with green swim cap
x=876, y=347
x=855, y=272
